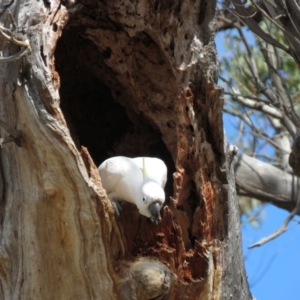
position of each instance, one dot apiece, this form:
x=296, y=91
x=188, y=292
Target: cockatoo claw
x=118, y=208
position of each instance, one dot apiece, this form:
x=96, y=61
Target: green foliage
x=237, y=60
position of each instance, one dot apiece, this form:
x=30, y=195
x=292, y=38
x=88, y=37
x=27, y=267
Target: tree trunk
x=107, y=78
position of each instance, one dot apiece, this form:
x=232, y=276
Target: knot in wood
x=151, y=281
x=49, y=186
x=148, y=279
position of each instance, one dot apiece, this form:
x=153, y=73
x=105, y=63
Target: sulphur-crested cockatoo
x=139, y=180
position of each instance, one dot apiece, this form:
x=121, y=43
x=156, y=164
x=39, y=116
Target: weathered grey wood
x=234, y=271
x=59, y=238
x=265, y=182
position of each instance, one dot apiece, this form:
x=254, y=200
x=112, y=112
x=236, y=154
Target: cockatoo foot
x=118, y=208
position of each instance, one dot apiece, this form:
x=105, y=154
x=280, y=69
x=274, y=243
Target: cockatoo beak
x=154, y=210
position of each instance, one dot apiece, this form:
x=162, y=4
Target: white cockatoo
x=139, y=180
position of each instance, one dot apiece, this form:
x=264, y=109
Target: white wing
x=121, y=178
x=155, y=169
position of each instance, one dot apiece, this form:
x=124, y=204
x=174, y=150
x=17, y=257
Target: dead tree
x=83, y=81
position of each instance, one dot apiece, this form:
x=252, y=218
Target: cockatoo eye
x=144, y=199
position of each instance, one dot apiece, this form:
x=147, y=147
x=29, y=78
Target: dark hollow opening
x=95, y=119
x=90, y=100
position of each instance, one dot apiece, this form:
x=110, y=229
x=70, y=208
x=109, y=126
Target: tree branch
x=255, y=131
x=266, y=109
x=260, y=106
x=14, y=57
x=9, y=36
x=279, y=231
x=265, y=182
x=12, y=39
x=246, y=18
x=226, y=18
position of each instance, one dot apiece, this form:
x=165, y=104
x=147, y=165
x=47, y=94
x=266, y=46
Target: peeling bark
x=102, y=79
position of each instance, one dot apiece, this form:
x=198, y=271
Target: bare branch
x=260, y=106
x=278, y=232
x=226, y=18
x=14, y=57
x=9, y=36
x=260, y=180
x=271, y=58
x=240, y=131
x=12, y=39
x=255, y=131
x=287, y=33
x=266, y=109
x=244, y=16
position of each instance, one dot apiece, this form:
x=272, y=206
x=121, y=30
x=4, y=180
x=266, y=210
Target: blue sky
x=271, y=268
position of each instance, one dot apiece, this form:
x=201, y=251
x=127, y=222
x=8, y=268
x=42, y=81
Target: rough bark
x=59, y=236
